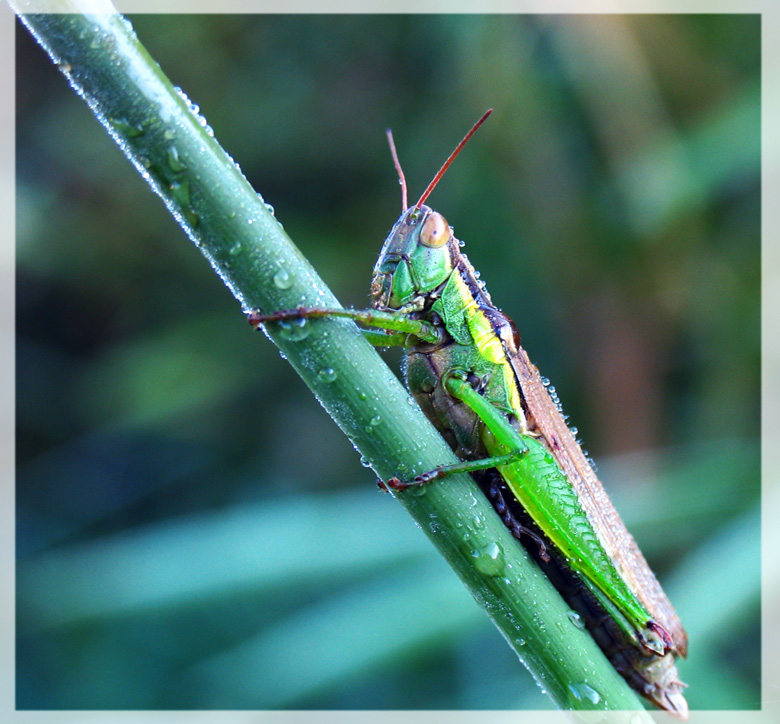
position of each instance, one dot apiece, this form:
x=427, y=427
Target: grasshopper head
x=416, y=258
x=419, y=254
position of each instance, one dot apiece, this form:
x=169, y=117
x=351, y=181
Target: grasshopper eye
x=435, y=231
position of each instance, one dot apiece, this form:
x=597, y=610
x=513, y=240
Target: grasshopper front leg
x=402, y=325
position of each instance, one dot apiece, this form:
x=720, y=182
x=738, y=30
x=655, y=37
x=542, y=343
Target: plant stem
x=174, y=150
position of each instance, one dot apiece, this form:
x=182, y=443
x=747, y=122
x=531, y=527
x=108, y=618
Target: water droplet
x=294, y=330
x=489, y=559
x=584, y=692
x=270, y=209
x=375, y=420
x=283, y=279
x=576, y=619
x=410, y=400
x=181, y=191
x=362, y=395
x=130, y=130
x=328, y=374
x=418, y=490
x=364, y=462
x=175, y=163
x=520, y=642
x=235, y=249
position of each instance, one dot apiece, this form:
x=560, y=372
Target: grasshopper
x=467, y=371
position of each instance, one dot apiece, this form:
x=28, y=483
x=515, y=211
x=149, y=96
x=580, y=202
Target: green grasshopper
x=473, y=380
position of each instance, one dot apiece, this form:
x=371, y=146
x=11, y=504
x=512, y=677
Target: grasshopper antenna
x=453, y=155
x=398, y=168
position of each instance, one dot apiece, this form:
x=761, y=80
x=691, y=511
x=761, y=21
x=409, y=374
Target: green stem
x=174, y=150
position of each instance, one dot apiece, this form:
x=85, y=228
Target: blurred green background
x=192, y=529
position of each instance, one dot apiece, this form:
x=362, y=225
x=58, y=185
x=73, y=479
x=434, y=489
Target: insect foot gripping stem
x=255, y=317
x=396, y=484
